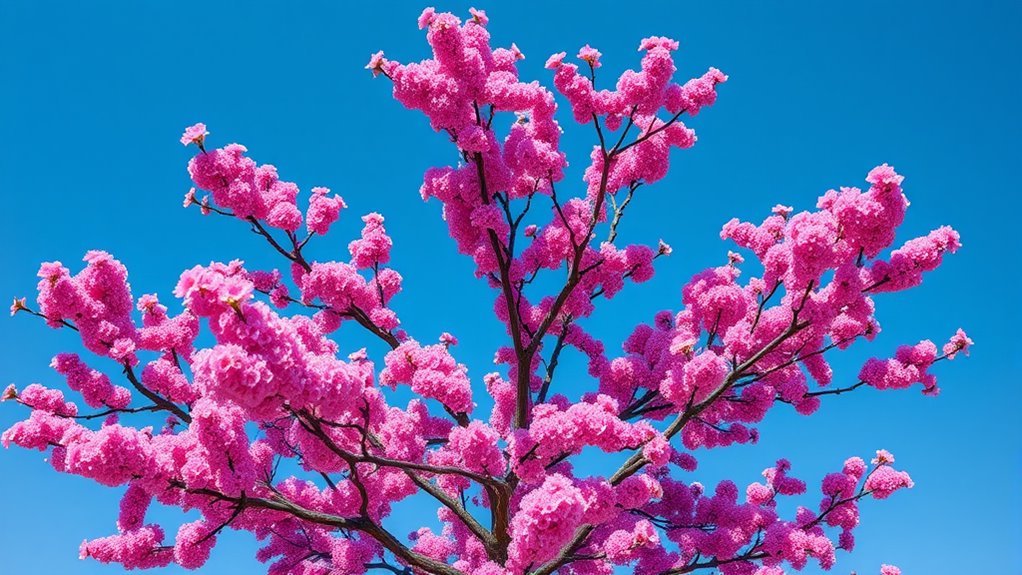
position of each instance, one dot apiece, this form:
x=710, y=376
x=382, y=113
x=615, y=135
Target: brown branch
x=61, y=321
x=624, y=132
x=363, y=320
x=620, y=211
x=292, y=255
x=800, y=358
x=714, y=563
x=363, y=524
x=649, y=134
x=837, y=391
x=552, y=364
x=159, y=400
x=388, y=567
x=112, y=411
x=574, y=276
x=514, y=316
x=104, y=413
x=633, y=406
x=762, y=303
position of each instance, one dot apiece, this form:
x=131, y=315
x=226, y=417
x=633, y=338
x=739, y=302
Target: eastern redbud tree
x=274, y=386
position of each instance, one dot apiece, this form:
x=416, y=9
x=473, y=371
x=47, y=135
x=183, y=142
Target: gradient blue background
x=96, y=95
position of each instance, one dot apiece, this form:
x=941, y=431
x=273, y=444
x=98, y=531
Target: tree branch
x=157, y=399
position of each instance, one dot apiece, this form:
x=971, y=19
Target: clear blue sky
x=96, y=95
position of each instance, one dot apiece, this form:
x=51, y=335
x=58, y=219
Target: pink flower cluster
x=373, y=248
x=95, y=387
x=959, y=342
x=323, y=210
x=248, y=190
x=909, y=365
x=546, y=520
x=256, y=192
x=431, y=372
x=560, y=429
x=97, y=301
x=163, y=333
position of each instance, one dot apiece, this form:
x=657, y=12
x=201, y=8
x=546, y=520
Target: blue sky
x=96, y=97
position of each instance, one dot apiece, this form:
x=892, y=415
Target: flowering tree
x=272, y=388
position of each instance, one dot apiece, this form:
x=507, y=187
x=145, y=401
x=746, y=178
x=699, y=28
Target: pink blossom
x=759, y=494
x=196, y=134
x=48, y=400
x=376, y=63
x=883, y=457
x=909, y=365
x=658, y=451
x=476, y=446
x=323, y=211
x=782, y=210
x=698, y=377
x=374, y=246
x=590, y=55
x=111, y=456
x=885, y=480
x=905, y=267
x=193, y=544
x=431, y=372
x=352, y=555
x=479, y=16
x=426, y=18
x=555, y=60
x=136, y=549
x=658, y=42
x=18, y=305
x=958, y=343
x=546, y=519
x=134, y=504
x=95, y=387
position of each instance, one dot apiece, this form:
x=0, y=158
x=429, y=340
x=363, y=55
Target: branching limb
x=554, y=358
x=157, y=399
x=362, y=524
x=620, y=211
x=637, y=461
x=314, y=426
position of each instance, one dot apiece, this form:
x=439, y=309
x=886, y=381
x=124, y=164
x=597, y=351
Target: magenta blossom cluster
x=204, y=423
